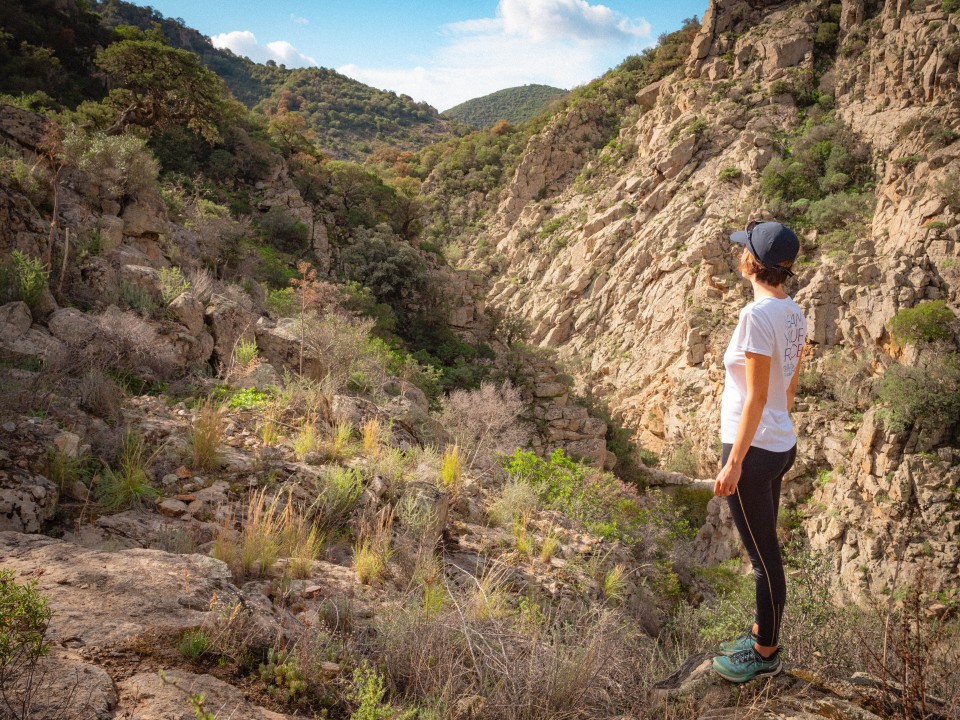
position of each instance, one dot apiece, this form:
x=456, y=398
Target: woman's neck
x=762, y=290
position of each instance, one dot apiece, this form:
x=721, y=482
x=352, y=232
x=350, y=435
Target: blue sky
x=440, y=51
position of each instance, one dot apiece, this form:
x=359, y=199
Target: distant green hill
x=351, y=120
x=515, y=105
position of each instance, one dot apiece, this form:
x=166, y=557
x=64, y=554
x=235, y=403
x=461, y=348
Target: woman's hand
x=727, y=479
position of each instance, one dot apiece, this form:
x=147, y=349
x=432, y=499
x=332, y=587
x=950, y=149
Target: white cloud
x=244, y=42
x=299, y=19
x=559, y=19
x=554, y=42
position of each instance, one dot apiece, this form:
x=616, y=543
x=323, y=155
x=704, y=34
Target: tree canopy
x=155, y=86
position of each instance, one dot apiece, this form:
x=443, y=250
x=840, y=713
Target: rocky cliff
x=619, y=258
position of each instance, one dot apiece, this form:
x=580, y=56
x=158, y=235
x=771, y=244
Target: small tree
x=155, y=86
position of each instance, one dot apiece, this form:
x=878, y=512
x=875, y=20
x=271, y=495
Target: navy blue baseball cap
x=770, y=243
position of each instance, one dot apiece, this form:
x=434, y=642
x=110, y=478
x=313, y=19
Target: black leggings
x=754, y=507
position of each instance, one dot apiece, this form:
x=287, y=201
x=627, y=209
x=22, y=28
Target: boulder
x=166, y=696
x=261, y=377
x=228, y=323
x=103, y=599
x=144, y=217
x=187, y=310
x=19, y=341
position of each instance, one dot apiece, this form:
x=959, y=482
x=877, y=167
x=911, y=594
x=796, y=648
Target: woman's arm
x=794, y=381
x=758, y=383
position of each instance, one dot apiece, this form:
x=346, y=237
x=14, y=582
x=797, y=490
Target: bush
x=283, y=230
x=24, y=619
x=485, y=423
x=729, y=174
x=949, y=190
x=172, y=284
x=598, y=500
x=516, y=500
x=337, y=494
x=683, y=460
x=25, y=278
x=926, y=396
x=122, y=164
x=926, y=322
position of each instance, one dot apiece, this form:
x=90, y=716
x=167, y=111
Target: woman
x=759, y=444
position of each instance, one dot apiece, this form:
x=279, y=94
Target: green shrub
x=245, y=352
x=122, y=164
x=949, y=189
x=950, y=6
x=25, y=278
x=283, y=302
x=282, y=675
x=594, y=498
x=247, y=399
x=683, y=460
x=172, y=284
x=926, y=396
x=928, y=321
x=840, y=210
x=138, y=298
x=368, y=695
x=729, y=174
x=24, y=619
x=337, y=494
x=283, y=230
x=193, y=644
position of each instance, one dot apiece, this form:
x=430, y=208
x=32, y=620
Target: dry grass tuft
x=374, y=549
x=206, y=435
x=372, y=437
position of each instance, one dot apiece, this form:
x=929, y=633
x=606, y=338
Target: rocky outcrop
x=148, y=589
x=151, y=696
x=630, y=276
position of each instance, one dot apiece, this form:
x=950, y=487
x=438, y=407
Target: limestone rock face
x=632, y=280
x=554, y=155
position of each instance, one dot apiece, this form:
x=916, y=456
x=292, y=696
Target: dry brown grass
x=500, y=665
x=206, y=434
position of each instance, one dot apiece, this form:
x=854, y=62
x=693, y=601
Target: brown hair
x=768, y=276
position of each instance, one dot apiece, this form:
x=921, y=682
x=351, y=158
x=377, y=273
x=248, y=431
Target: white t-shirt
x=775, y=328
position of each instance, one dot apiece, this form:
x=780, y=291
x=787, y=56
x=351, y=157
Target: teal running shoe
x=744, y=642
x=747, y=665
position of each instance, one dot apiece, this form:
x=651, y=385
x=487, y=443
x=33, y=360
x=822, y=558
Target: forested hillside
x=515, y=105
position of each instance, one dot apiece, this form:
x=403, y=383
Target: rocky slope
x=619, y=259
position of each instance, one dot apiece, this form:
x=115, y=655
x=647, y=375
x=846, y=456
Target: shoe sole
x=769, y=673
